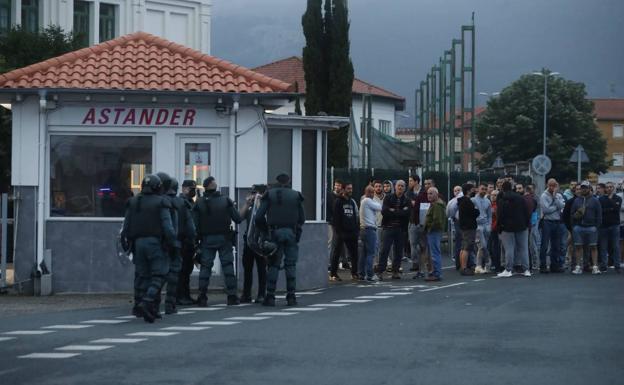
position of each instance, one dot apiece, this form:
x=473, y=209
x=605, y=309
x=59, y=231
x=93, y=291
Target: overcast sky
x=395, y=42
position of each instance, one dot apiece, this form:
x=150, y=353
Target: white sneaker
x=527, y=273
x=577, y=270
x=595, y=270
x=479, y=270
x=376, y=278
x=504, y=274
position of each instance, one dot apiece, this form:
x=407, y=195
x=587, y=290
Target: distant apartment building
x=186, y=22
x=609, y=117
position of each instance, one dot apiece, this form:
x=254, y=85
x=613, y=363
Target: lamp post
x=489, y=94
x=546, y=75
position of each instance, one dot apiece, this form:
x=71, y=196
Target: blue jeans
x=433, y=241
x=369, y=248
x=551, y=235
x=516, y=247
x=391, y=236
x=610, y=245
x=585, y=236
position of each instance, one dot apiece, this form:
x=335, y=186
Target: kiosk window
x=94, y=176
x=308, y=173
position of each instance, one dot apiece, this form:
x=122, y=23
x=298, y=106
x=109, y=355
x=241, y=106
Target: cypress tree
x=312, y=22
x=297, y=100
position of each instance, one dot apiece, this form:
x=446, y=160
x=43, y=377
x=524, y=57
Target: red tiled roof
x=141, y=61
x=291, y=70
x=609, y=109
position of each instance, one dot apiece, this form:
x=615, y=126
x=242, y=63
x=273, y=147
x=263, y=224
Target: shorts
x=468, y=240
x=585, y=236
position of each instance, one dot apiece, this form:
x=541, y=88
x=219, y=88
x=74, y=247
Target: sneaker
x=334, y=278
x=543, y=270
x=505, y=274
x=479, y=270
x=396, y=276
x=371, y=279
x=577, y=270
x=432, y=278
x=467, y=271
x=377, y=278
x=595, y=270
x=527, y=273
x=355, y=277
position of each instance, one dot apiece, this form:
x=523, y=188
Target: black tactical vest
x=214, y=214
x=145, y=216
x=184, y=213
x=283, y=207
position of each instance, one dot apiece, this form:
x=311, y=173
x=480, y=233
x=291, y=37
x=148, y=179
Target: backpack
x=258, y=239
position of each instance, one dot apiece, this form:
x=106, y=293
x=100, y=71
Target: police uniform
x=148, y=225
x=282, y=211
x=188, y=249
x=249, y=257
x=213, y=214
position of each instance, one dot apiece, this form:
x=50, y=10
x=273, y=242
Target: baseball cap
x=585, y=183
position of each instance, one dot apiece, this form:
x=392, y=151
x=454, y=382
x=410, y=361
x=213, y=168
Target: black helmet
x=173, y=187
x=166, y=182
x=151, y=184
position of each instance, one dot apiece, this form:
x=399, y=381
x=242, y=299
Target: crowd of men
x=167, y=234
x=502, y=228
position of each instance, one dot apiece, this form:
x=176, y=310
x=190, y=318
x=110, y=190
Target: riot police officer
x=148, y=227
x=186, y=235
x=250, y=255
x=213, y=214
x=282, y=211
x=189, y=190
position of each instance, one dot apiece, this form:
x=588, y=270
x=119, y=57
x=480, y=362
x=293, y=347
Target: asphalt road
x=553, y=329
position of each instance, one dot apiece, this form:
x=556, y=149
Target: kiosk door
x=197, y=161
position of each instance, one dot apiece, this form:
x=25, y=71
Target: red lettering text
x=175, y=115
x=130, y=117
x=162, y=116
x=104, y=116
x=146, y=116
x=118, y=112
x=189, y=118
x=90, y=117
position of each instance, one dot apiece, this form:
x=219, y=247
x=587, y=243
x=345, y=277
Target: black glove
x=125, y=244
x=298, y=233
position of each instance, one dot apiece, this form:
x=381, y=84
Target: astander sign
x=132, y=116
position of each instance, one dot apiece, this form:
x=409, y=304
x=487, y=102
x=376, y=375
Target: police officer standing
x=147, y=224
x=282, y=211
x=189, y=189
x=249, y=255
x=213, y=214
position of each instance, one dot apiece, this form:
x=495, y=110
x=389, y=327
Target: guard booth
x=88, y=125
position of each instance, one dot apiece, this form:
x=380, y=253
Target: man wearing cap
x=189, y=190
x=551, y=206
x=282, y=212
x=586, y=214
x=213, y=215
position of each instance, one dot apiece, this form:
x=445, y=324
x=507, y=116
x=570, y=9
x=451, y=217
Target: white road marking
x=118, y=340
x=374, y=297
x=69, y=327
x=126, y=317
x=219, y=305
x=443, y=287
x=448, y=267
x=330, y=305
x=393, y=293
x=304, y=309
x=184, y=312
x=309, y=293
x=225, y=305
x=352, y=300
x=403, y=289
x=272, y=313
x=418, y=286
x=28, y=332
x=50, y=355
x=7, y=338
x=191, y=309
x=216, y=323
x=186, y=328
x=152, y=334
x=105, y=321
x=478, y=280
x=85, y=347
x=280, y=297
x=247, y=318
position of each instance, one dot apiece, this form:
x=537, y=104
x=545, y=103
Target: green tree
x=313, y=66
x=297, y=100
x=20, y=48
x=512, y=126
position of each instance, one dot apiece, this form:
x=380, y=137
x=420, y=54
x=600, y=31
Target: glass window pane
x=107, y=22
x=5, y=16
x=81, y=22
x=308, y=173
x=280, y=153
x=94, y=176
x=30, y=15
x=197, y=164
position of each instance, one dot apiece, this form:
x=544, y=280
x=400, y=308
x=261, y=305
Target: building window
x=618, y=131
x=82, y=17
x=280, y=153
x=94, y=176
x=384, y=126
x=30, y=15
x=458, y=144
x=618, y=159
x=5, y=17
x=308, y=173
x=107, y=21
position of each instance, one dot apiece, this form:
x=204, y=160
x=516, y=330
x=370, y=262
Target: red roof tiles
x=291, y=70
x=141, y=61
x=609, y=109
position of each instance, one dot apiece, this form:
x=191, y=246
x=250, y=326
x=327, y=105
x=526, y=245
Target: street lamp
x=489, y=94
x=546, y=75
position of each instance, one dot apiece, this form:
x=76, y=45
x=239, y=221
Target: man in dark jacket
x=346, y=225
x=468, y=214
x=586, y=214
x=417, y=239
x=395, y=210
x=513, y=221
x=610, y=228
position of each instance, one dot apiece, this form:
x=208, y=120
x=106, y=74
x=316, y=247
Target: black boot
x=232, y=300
x=245, y=298
x=148, y=312
x=291, y=299
x=170, y=308
x=269, y=300
x=136, y=311
x=259, y=299
x=202, y=300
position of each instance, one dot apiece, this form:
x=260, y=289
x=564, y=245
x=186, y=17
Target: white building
x=185, y=22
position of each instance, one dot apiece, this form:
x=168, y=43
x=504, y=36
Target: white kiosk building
x=89, y=124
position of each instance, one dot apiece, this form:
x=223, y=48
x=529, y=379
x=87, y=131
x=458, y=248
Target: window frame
x=621, y=128
x=35, y=9
x=114, y=17
x=621, y=156
x=89, y=7
x=47, y=206
x=7, y=5
x=385, y=126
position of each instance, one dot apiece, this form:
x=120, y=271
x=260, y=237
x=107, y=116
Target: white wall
x=25, y=143
x=251, y=156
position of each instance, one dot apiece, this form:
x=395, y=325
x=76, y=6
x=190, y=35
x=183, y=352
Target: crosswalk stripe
x=186, y=328
x=330, y=305
x=105, y=321
x=7, y=338
x=374, y=297
x=28, y=332
x=202, y=309
x=85, y=347
x=152, y=334
x=216, y=323
x=247, y=318
x=276, y=313
x=394, y=293
x=118, y=340
x=303, y=309
x=50, y=355
x=68, y=327
x=352, y=300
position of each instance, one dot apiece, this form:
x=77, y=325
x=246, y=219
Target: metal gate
x=6, y=246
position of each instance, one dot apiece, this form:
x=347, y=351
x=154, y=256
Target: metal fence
x=6, y=235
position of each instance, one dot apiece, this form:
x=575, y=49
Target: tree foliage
x=20, y=48
x=512, y=126
x=313, y=63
